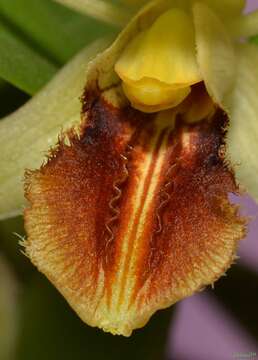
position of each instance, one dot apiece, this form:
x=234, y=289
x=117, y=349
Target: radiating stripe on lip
x=133, y=238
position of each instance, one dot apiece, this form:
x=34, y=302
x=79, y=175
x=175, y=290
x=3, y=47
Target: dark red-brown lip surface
x=132, y=215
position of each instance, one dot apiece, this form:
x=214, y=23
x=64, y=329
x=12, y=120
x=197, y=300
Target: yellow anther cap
x=159, y=65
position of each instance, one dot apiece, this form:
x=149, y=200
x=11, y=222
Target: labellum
x=131, y=213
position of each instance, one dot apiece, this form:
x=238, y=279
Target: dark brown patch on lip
x=196, y=176
x=77, y=184
x=86, y=204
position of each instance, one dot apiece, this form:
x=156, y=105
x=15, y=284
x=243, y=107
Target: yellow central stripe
x=132, y=239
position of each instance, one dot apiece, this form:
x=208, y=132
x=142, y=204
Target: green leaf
x=51, y=29
x=20, y=65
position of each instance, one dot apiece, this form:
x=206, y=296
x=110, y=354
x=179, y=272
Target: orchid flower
x=129, y=212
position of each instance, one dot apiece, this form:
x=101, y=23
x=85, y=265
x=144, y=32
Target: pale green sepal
x=244, y=26
x=27, y=134
x=242, y=105
x=101, y=10
x=215, y=52
x=226, y=8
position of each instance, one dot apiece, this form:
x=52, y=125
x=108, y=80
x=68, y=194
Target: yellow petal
x=242, y=139
x=152, y=95
x=215, y=52
x=198, y=106
x=26, y=135
x=165, y=52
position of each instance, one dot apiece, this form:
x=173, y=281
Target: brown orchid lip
x=132, y=214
